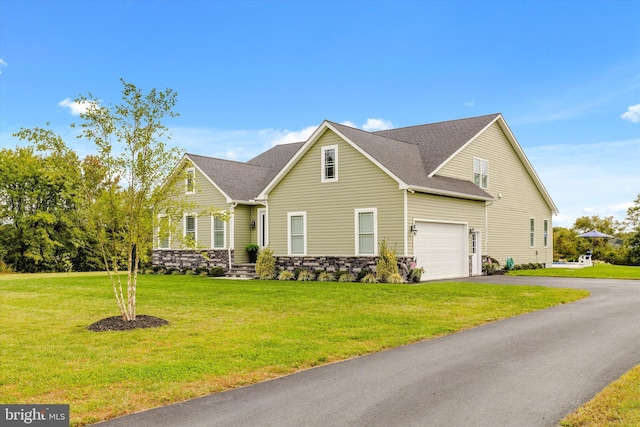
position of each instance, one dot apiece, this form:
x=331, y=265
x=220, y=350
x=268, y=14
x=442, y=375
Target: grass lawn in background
x=598, y=271
x=222, y=333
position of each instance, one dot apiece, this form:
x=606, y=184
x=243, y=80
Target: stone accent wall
x=334, y=263
x=186, y=258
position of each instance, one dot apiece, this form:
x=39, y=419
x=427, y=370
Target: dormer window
x=190, y=181
x=329, y=163
x=480, y=172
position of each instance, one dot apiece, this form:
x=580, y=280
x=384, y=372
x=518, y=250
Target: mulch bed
x=116, y=323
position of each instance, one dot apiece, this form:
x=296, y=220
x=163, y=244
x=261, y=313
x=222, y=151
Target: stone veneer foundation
x=185, y=258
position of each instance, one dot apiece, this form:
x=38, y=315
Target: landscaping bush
x=362, y=274
x=395, y=278
x=266, y=264
x=306, y=275
x=346, y=277
x=324, y=276
x=387, y=264
x=369, y=278
x=286, y=275
x=415, y=275
x=216, y=271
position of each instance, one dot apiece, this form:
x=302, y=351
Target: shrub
x=306, y=275
x=347, y=277
x=395, y=278
x=362, y=274
x=266, y=264
x=5, y=268
x=286, y=275
x=216, y=271
x=326, y=277
x=369, y=278
x=387, y=264
x=415, y=275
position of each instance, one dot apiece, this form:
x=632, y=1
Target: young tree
x=633, y=215
x=133, y=161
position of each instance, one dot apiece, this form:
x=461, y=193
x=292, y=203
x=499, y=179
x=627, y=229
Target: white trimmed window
x=190, y=181
x=481, y=172
x=218, y=233
x=191, y=229
x=545, y=233
x=532, y=232
x=366, y=227
x=297, y=232
x=163, y=232
x=329, y=163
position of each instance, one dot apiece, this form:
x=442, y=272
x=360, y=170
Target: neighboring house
x=443, y=195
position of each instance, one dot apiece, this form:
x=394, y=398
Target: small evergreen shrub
x=216, y=271
x=387, y=264
x=286, y=275
x=266, y=264
x=395, y=278
x=415, y=275
x=362, y=274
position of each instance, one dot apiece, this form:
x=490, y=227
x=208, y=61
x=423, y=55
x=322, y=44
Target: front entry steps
x=242, y=271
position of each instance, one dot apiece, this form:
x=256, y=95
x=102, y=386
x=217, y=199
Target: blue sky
x=250, y=74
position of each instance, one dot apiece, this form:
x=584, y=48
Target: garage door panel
x=441, y=249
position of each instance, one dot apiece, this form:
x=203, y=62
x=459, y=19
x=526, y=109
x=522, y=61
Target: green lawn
x=598, y=271
x=223, y=333
x=619, y=403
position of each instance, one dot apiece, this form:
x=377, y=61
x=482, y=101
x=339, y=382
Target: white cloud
x=2, y=64
x=373, y=125
x=289, y=137
x=76, y=108
x=632, y=114
x=470, y=103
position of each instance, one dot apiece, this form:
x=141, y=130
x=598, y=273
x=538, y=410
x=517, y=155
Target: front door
x=476, y=254
x=263, y=232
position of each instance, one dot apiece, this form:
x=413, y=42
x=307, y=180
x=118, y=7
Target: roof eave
x=456, y=194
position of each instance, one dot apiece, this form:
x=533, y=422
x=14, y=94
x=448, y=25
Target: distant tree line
x=622, y=249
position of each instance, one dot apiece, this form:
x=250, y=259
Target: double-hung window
x=190, y=181
x=164, y=232
x=218, y=233
x=532, y=232
x=329, y=163
x=297, y=231
x=366, y=227
x=545, y=233
x=190, y=230
x=481, y=172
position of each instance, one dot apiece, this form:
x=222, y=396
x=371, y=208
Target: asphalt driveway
x=526, y=371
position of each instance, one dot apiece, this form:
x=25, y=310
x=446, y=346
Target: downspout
x=232, y=228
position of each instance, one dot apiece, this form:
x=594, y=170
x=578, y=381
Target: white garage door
x=441, y=249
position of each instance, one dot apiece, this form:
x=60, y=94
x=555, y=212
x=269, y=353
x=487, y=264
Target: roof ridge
x=375, y=133
x=222, y=160
x=438, y=123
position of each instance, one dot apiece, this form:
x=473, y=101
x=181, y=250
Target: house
x=444, y=195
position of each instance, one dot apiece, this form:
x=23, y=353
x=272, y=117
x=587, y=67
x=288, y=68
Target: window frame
x=323, y=163
x=545, y=233
x=213, y=233
x=357, y=232
x=482, y=182
x=195, y=227
x=532, y=232
x=291, y=215
x=161, y=217
x=190, y=181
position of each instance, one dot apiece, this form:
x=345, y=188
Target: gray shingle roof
x=410, y=153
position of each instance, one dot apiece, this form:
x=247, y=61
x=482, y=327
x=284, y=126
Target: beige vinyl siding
x=446, y=209
x=205, y=197
x=243, y=233
x=330, y=206
x=517, y=199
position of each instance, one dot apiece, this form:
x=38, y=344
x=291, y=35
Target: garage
x=441, y=249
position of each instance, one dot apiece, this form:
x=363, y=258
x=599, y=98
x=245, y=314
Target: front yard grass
x=222, y=333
